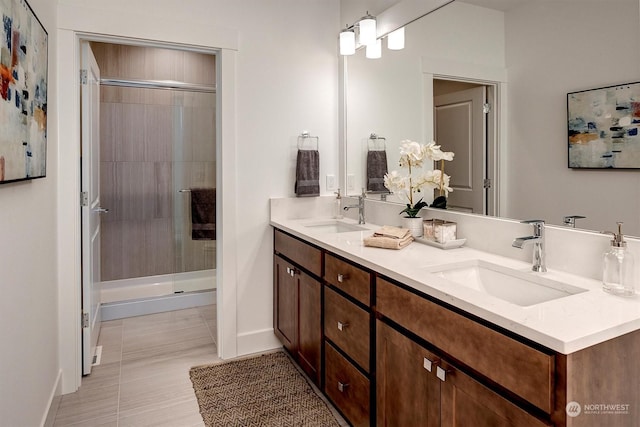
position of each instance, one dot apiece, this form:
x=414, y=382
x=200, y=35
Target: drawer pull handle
x=289, y=271
x=342, y=325
x=429, y=364
x=342, y=386
x=342, y=277
x=442, y=373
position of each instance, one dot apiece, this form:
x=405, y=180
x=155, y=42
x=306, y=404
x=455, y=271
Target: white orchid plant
x=412, y=156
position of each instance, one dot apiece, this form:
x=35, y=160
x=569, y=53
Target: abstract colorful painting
x=23, y=93
x=603, y=127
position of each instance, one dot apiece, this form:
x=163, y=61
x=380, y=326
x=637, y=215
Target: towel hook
x=373, y=139
x=305, y=135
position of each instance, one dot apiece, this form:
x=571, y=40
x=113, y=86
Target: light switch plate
x=351, y=182
x=331, y=182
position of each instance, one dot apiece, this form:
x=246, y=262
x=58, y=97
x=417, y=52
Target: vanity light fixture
x=347, y=42
x=374, y=50
x=368, y=30
x=395, y=39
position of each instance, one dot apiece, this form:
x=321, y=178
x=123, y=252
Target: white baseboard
x=257, y=341
x=49, y=416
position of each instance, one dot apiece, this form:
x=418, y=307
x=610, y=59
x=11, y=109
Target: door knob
x=342, y=325
x=342, y=386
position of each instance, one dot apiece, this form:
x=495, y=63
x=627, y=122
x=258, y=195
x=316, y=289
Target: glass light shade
x=347, y=42
x=374, y=50
x=367, y=30
x=395, y=39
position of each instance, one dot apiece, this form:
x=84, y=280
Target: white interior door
x=460, y=127
x=91, y=208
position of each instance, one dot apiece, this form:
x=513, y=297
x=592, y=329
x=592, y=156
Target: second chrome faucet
x=360, y=207
x=538, y=240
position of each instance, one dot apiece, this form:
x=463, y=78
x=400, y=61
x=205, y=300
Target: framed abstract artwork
x=23, y=93
x=603, y=127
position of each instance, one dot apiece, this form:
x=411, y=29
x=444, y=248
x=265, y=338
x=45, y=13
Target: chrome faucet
x=538, y=240
x=360, y=207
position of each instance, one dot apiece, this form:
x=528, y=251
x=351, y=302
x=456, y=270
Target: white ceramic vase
x=414, y=225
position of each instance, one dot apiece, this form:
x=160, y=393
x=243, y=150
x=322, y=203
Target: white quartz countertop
x=566, y=324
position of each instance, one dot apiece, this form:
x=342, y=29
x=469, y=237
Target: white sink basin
x=523, y=288
x=333, y=226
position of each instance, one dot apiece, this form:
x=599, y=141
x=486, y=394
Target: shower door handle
x=101, y=210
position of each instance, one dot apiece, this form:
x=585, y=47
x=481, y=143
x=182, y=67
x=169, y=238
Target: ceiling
x=503, y=5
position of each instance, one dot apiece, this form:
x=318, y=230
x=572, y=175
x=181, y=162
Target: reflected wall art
x=23, y=93
x=603, y=127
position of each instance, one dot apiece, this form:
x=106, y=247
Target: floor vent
x=98, y=356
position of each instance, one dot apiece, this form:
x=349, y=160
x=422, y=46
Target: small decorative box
x=439, y=230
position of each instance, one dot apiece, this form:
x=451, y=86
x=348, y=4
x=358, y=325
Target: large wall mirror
x=524, y=57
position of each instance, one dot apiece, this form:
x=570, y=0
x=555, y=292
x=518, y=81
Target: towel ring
x=304, y=137
x=372, y=143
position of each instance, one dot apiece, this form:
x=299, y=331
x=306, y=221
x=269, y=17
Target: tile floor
x=143, y=377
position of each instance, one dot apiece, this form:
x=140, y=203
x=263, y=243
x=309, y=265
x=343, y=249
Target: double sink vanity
x=462, y=337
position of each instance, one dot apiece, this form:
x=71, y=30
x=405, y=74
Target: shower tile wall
x=153, y=143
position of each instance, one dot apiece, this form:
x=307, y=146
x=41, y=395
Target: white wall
x=542, y=46
x=285, y=77
x=28, y=307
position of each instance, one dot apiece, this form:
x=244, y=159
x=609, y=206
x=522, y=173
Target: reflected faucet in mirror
x=570, y=220
x=538, y=240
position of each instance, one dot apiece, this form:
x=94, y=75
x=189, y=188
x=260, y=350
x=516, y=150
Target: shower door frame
x=75, y=27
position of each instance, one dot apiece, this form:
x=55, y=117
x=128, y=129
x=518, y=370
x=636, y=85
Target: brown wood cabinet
x=285, y=303
x=425, y=363
x=297, y=302
x=347, y=387
x=347, y=329
x=416, y=387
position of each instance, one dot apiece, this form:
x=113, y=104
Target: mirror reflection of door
x=461, y=125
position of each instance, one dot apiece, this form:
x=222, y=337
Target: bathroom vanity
x=392, y=341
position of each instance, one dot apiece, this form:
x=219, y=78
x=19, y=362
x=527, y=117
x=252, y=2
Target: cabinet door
x=466, y=402
x=310, y=326
x=285, y=304
x=408, y=394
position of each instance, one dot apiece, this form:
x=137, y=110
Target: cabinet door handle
x=342, y=277
x=289, y=271
x=342, y=386
x=442, y=373
x=342, y=325
x=429, y=364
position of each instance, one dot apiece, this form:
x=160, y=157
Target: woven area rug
x=266, y=390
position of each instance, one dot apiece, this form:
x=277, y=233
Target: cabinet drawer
x=348, y=278
x=347, y=388
x=303, y=254
x=347, y=325
x=523, y=370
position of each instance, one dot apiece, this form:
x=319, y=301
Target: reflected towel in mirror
x=376, y=170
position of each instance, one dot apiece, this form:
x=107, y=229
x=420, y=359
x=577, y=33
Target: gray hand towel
x=203, y=214
x=308, y=173
x=376, y=170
